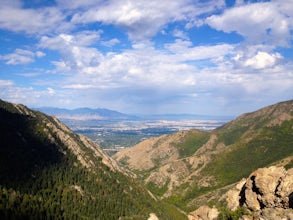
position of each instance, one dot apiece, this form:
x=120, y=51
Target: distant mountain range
x=86, y=114
x=107, y=114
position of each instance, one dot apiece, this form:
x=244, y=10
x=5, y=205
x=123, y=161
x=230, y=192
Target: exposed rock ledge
x=265, y=188
x=204, y=213
x=267, y=193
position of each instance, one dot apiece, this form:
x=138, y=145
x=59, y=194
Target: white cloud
x=40, y=54
x=110, y=43
x=178, y=74
x=184, y=50
x=43, y=20
x=256, y=57
x=265, y=22
x=144, y=18
x=20, y=56
x=77, y=56
x=263, y=60
x=83, y=38
x=4, y=83
x=180, y=34
x=79, y=86
x=51, y=91
x=31, y=96
x=74, y=4
x=11, y=3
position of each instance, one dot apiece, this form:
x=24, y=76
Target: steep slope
x=161, y=161
x=48, y=172
x=213, y=160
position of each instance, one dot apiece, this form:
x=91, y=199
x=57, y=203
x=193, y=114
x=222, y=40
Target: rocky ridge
x=78, y=144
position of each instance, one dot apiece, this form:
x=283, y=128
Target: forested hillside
x=48, y=172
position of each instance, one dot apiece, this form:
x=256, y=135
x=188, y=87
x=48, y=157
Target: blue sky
x=145, y=56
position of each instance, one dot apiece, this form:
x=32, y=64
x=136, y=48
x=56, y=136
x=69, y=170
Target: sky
x=211, y=57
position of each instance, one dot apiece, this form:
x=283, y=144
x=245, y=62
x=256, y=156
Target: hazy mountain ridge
x=48, y=172
x=185, y=169
x=86, y=113
x=107, y=114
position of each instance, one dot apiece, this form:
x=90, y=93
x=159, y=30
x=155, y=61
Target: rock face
x=153, y=217
x=266, y=192
x=204, y=213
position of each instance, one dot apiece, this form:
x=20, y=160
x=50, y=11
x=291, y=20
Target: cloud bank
x=149, y=56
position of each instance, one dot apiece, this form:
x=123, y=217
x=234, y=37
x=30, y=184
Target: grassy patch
x=158, y=190
x=270, y=145
x=193, y=140
x=225, y=213
x=289, y=165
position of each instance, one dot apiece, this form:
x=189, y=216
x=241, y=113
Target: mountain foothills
x=48, y=172
x=192, y=169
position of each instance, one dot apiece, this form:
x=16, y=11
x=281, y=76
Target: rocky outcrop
x=153, y=217
x=204, y=213
x=267, y=193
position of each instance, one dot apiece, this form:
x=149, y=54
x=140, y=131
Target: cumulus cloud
x=144, y=18
x=140, y=73
x=263, y=60
x=83, y=38
x=20, y=56
x=184, y=50
x=176, y=71
x=15, y=18
x=263, y=22
x=145, y=67
x=256, y=57
x=74, y=49
x=31, y=96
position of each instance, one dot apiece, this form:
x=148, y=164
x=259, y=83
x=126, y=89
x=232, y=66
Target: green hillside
x=194, y=168
x=251, y=141
x=41, y=178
